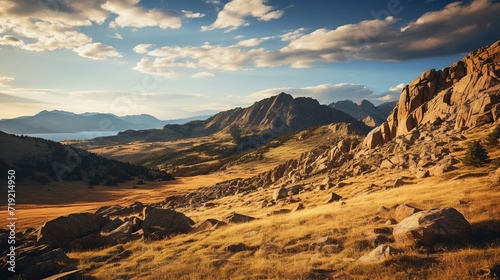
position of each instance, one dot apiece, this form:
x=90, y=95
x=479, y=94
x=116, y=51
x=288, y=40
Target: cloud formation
x=328, y=93
x=457, y=28
x=129, y=14
x=97, y=51
x=235, y=14
x=230, y=58
x=54, y=25
x=203, y=75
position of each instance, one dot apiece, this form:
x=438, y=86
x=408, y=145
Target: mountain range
x=268, y=118
x=365, y=111
x=57, y=121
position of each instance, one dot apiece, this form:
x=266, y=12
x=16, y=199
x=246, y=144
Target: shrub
x=476, y=154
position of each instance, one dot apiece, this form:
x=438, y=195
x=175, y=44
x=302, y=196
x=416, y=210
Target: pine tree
x=476, y=154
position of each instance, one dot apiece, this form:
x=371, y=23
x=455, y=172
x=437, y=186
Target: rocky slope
x=467, y=93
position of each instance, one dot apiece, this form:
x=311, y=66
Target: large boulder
x=432, y=226
x=166, y=220
x=62, y=230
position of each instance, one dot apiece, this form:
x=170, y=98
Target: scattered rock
x=299, y=207
x=404, y=210
x=399, y=183
x=209, y=224
x=238, y=218
x=432, y=226
x=379, y=254
x=497, y=174
x=390, y=222
x=279, y=212
x=280, y=193
x=333, y=197
x=421, y=174
x=237, y=247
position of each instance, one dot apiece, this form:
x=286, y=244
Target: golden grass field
x=202, y=255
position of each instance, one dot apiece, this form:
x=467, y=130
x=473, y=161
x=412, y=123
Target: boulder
x=279, y=212
x=62, y=230
x=237, y=247
x=421, y=174
x=497, y=174
x=299, y=207
x=209, y=224
x=432, y=226
x=166, y=220
x=333, y=197
x=404, y=210
x=238, y=218
x=280, y=193
x=399, y=183
x=379, y=254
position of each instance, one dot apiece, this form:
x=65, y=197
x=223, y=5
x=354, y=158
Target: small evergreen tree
x=476, y=154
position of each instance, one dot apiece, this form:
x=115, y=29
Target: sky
x=175, y=59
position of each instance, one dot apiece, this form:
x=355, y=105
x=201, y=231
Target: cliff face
x=468, y=92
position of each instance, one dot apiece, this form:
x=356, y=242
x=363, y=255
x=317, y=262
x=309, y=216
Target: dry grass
x=202, y=255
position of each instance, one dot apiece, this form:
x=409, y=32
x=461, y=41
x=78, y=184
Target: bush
x=476, y=154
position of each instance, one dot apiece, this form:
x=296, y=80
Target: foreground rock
x=432, y=226
x=379, y=254
x=165, y=222
x=62, y=230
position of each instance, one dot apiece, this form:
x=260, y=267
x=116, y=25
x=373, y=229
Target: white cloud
x=142, y=48
x=5, y=80
x=203, y=75
x=97, y=51
x=160, y=67
x=253, y=42
x=190, y=14
x=117, y=36
x=129, y=14
x=229, y=58
x=235, y=13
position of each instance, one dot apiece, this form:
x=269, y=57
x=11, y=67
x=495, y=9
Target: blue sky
x=174, y=59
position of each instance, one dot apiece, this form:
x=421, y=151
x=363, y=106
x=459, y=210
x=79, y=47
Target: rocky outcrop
x=432, y=226
x=467, y=92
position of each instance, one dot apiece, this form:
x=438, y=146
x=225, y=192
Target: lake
x=81, y=135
